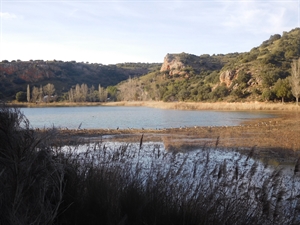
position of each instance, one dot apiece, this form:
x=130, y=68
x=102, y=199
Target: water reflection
x=133, y=117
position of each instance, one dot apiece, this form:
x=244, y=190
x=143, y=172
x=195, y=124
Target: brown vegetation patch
x=278, y=134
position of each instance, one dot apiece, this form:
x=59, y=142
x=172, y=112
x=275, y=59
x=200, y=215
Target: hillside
x=258, y=75
x=16, y=75
x=255, y=75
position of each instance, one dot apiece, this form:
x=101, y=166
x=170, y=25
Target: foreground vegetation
x=44, y=182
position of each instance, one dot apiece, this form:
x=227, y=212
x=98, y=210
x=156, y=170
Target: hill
x=255, y=75
x=258, y=75
x=16, y=75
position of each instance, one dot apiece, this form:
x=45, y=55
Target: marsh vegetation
x=43, y=181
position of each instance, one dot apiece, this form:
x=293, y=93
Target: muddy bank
x=281, y=133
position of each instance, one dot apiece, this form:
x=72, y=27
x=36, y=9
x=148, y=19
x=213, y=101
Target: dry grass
x=262, y=106
x=43, y=182
x=52, y=104
x=210, y=106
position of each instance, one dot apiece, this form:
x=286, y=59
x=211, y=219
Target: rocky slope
x=186, y=65
x=15, y=75
x=250, y=75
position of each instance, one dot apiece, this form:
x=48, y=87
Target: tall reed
x=44, y=182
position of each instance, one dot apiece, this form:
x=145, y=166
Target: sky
x=110, y=32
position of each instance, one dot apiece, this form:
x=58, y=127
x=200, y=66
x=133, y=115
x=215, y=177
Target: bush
x=21, y=96
x=243, y=77
x=220, y=92
x=31, y=182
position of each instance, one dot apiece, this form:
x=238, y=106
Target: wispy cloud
x=6, y=15
x=269, y=16
x=139, y=30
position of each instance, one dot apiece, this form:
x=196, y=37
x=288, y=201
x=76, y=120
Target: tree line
x=37, y=94
x=78, y=93
x=193, y=89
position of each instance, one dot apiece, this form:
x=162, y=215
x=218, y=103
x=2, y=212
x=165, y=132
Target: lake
x=104, y=117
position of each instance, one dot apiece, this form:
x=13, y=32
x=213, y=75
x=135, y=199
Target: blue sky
x=110, y=32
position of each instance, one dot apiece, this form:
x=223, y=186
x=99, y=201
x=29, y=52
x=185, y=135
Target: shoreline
x=228, y=106
x=279, y=135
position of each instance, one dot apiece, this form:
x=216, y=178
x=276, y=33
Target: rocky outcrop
x=227, y=77
x=30, y=71
x=173, y=65
x=172, y=62
x=185, y=64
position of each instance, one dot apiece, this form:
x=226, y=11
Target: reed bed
x=232, y=106
x=150, y=186
x=44, y=182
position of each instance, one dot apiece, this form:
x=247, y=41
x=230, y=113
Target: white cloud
x=258, y=17
x=6, y=15
x=120, y=31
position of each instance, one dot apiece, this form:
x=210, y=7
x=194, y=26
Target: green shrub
x=21, y=96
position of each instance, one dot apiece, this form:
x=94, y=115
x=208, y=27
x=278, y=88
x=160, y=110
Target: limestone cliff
x=185, y=64
x=227, y=77
x=173, y=64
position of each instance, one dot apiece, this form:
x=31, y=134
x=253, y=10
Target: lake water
x=103, y=117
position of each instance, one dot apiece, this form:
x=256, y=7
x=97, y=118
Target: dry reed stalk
x=141, y=141
x=297, y=166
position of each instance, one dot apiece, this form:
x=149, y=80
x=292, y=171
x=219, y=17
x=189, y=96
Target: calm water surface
x=133, y=117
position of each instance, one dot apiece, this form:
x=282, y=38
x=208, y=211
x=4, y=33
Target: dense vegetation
x=44, y=182
x=262, y=74
x=15, y=76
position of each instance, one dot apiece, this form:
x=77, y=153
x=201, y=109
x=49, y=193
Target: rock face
x=15, y=75
x=227, y=77
x=29, y=71
x=184, y=64
x=173, y=65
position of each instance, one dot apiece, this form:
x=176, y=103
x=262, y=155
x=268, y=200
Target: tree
x=21, y=96
x=295, y=79
x=112, y=92
x=102, y=94
x=41, y=94
x=71, y=95
x=84, y=92
x=77, y=93
x=282, y=89
x=28, y=93
x=35, y=94
x=267, y=95
x=219, y=92
x=92, y=95
x=49, y=90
